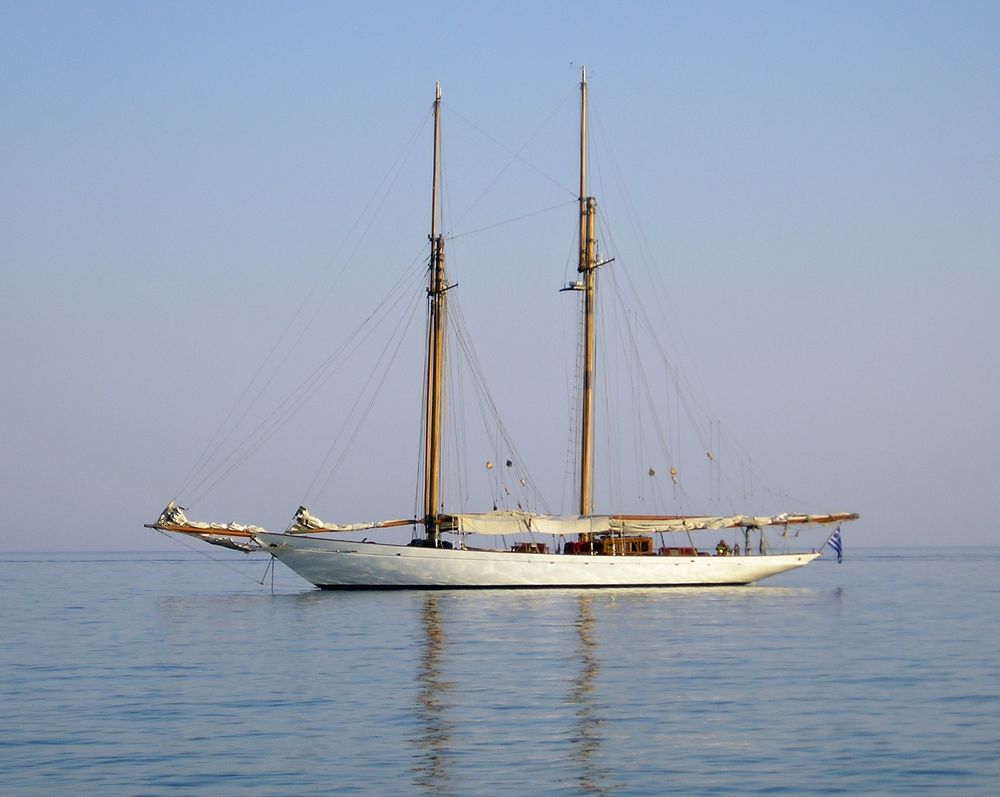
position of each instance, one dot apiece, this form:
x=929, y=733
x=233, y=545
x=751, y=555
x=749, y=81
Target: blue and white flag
x=835, y=543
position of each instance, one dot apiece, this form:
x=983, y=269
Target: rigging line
x=632, y=217
x=494, y=441
x=762, y=478
x=466, y=368
x=676, y=395
x=646, y=387
x=400, y=162
x=456, y=440
x=201, y=551
x=371, y=221
x=627, y=366
x=570, y=384
x=467, y=348
x=517, y=155
x=631, y=363
x=485, y=395
x=482, y=386
x=573, y=474
x=640, y=420
x=270, y=567
x=601, y=363
x=402, y=330
x=572, y=255
x=415, y=302
x=214, y=445
x=645, y=252
x=696, y=422
x=647, y=324
x=714, y=463
x=513, y=220
x=297, y=398
x=468, y=358
x=682, y=399
x=419, y=459
x=285, y=410
x=649, y=261
x=444, y=187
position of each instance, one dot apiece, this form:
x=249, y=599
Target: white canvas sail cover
x=651, y=524
x=173, y=516
x=520, y=522
x=304, y=523
x=229, y=535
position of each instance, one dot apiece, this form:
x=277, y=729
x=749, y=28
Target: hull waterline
x=342, y=564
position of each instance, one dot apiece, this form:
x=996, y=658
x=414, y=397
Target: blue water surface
x=136, y=674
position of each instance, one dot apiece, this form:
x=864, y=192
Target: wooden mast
x=436, y=288
x=587, y=267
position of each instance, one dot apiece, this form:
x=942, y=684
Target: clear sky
x=820, y=183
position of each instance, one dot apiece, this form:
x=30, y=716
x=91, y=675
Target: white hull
x=342, y=564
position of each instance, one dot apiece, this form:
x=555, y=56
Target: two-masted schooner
x=596, y=550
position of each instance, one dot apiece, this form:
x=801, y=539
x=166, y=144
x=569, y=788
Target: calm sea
x=134, y=674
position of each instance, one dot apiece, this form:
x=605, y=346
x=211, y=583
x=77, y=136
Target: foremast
x=434, y=378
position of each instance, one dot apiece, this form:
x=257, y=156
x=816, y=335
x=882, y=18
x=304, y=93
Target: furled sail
x=304, y=523
x=172, y=518
x=227, y=535
x=520, y=522
x=624, y=523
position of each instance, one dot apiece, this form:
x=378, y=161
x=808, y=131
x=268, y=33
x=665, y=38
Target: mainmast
x=434, y=379
x=587, y=267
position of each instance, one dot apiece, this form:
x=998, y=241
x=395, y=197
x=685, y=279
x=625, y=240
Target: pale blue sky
x=821, y=183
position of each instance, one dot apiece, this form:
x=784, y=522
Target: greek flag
x=835, y=543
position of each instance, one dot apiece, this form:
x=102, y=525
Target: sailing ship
x=588, y=549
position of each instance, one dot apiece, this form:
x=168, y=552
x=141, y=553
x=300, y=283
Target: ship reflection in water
x=476, y=708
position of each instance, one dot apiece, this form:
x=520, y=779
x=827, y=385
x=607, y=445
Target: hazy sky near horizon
x=820, y=182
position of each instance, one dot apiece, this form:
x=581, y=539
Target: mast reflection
x=591, y=777
x=434, y=740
